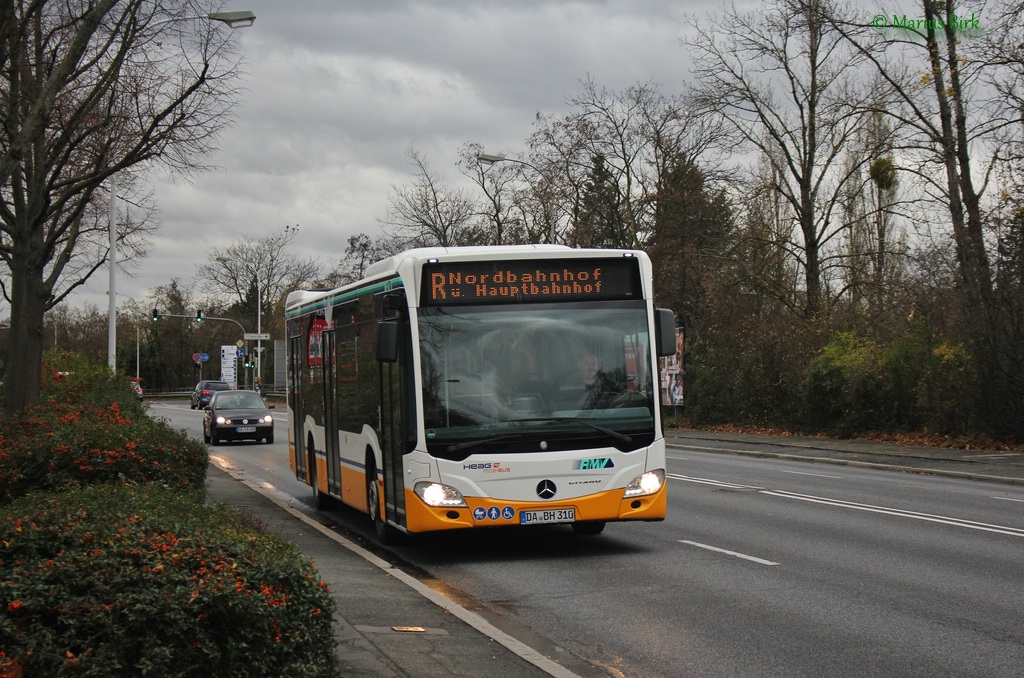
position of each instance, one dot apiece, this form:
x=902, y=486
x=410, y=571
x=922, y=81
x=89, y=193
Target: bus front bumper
x=486, y=512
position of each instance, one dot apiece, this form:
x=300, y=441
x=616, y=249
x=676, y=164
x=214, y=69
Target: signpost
x=228, y=365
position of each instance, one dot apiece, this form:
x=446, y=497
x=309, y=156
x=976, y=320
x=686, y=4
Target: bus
x=487, y=386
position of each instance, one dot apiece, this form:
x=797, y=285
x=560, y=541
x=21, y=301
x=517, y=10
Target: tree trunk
x=966, y=219
x=28, y=304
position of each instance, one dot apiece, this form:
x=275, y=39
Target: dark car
x=237, y=415
x=203, y=391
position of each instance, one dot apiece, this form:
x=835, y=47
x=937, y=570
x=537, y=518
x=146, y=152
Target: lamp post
x=488, y=159
x=112, y=280
x=236, y=19
x=259, y=330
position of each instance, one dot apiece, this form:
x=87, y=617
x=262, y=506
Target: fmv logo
x=592, y=464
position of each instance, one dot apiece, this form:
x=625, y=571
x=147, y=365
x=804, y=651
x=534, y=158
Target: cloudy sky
x=337, y=91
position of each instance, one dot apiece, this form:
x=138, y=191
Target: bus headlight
x=442, y=496
x=648, y=483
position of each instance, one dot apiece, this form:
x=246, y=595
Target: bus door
x=393, y=416
x=331, y=415
x=296, y=360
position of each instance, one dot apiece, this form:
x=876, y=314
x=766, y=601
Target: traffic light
x=248, y=360
x=199, y=316
x=156, y=315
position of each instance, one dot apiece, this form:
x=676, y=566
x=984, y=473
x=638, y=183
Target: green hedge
x=136, y=581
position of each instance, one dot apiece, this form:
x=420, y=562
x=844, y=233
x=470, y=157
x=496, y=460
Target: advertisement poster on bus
x=316, y=343
x=672, y=374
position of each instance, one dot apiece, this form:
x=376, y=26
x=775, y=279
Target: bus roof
x=392, y=266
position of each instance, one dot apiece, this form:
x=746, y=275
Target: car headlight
x=643, y=485
x=267, y=420
x=222, y=420
x=436, y=494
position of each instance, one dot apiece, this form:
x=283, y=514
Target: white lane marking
x=744, y=556
x=1009, y=499
x=928, y=517
x=709, y=481
x=839, y=503
x=816, y=475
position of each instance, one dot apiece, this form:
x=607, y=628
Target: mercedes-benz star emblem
x=546, y=489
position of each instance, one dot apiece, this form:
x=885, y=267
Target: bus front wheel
x=385, y=533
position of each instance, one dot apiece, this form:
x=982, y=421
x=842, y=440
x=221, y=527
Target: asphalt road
x=764, y=568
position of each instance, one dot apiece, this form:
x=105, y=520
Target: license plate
x=547, y=516
x=245, y=429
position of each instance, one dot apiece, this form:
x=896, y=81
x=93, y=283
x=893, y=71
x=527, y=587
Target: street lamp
x=239, y=19
x=236, y=19
x=489, y=159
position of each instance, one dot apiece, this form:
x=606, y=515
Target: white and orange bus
x=483, y=386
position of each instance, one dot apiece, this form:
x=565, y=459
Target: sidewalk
x=388, y=624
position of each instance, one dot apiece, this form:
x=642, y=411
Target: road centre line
x=885, y=510
x=1009, y=499
x=728, y=553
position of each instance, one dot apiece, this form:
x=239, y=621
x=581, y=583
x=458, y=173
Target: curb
x=471, y=619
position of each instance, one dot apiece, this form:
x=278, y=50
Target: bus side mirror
x=665, y=332
x=387, y=342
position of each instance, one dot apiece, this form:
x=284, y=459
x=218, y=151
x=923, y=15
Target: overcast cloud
x=337, y=91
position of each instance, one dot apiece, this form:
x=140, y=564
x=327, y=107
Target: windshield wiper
x=621, y=437
x=457, y=447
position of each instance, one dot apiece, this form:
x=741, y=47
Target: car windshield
x=529, y=373
x=239, y=401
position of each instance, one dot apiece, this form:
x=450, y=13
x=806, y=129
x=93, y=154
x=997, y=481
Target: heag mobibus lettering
x=487, y=467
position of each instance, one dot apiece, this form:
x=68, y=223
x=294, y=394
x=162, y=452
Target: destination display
x=516, y=282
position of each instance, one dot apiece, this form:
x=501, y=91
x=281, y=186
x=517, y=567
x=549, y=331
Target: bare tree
x=958, y=96
x=786, y=81
x=90, y=89
x=617, y=150
x=518, y=200
x=360, y=252
x=430, y=212
x=256, y=275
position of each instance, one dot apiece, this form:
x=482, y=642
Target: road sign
x=239, y=353
x=253, y=336
x=196, y=357
x=239, y=343
x=204, y=357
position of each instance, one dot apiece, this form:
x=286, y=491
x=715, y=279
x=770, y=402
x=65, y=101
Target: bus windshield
x=525, y=377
